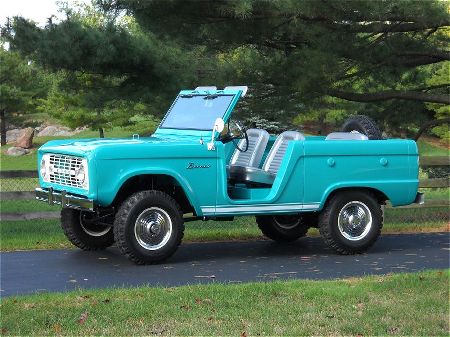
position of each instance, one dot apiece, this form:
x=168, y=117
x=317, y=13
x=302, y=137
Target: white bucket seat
x=266, y=175
x=257, y=142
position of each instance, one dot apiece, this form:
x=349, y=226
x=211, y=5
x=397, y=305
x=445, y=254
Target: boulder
x=55, y=130
x=25, y=140
x=12, y=135
x=17, y=151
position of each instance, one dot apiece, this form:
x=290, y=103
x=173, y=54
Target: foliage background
x=308, y=64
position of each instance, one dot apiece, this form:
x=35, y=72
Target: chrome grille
x=63, y=170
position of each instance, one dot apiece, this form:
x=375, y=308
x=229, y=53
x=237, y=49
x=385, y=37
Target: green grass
x=32, y=234
x=26, y=162
x=436, y=193
x=47, y=234
x=428, y=149
x=400, y=304
x=21, y=206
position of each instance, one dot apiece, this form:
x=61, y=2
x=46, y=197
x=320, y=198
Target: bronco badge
x=195, y=166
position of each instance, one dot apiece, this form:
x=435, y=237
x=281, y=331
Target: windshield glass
x=196, y=112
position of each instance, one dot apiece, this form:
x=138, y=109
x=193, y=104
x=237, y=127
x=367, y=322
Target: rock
x=25, y=140
x=17, y=151
x=55, y=130
x=12, y=135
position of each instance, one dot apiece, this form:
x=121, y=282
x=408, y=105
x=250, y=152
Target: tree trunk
x=100, y=129
x=2, y=127
x=430, y=124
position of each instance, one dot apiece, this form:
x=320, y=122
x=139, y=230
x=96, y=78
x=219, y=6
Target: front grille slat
x=63, y=168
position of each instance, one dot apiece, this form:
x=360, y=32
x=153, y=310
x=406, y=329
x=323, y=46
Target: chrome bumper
x=62, y=198
x=420, y=198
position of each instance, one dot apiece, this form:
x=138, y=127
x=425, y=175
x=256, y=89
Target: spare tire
x=364, y=125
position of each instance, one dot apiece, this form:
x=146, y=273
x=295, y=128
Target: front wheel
x=351, y=222
x=282, y=228
x=148, y=227
x=83, y=233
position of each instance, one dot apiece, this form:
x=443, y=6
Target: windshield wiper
x=187, y=96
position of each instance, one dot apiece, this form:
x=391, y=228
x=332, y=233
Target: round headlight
x=80, y=174
x=43, y=169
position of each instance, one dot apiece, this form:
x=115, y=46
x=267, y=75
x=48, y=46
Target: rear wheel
x=351, y=222
x=282, y=228
x=149, y=227
x=83, y=232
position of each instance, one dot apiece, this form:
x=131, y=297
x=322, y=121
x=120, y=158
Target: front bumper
x=420, y=198
x=62, y=198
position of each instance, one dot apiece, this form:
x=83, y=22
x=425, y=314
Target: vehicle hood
x=118, y=147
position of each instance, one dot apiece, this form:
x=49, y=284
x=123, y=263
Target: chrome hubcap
x=93, y=229
x=354, y=220
x=153, y=228
x=287, y=221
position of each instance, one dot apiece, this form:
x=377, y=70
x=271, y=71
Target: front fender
x=108, y=192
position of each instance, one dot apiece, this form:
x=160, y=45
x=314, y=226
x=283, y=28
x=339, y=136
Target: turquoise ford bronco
x=201, y=164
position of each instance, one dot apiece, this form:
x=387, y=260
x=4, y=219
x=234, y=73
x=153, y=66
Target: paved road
x=63, y=270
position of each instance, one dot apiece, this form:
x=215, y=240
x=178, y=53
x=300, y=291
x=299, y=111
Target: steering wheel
x=236, y=132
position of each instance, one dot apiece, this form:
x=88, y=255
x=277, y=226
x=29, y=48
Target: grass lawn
x=47, y=234
x=400, y=304
x=429, y=149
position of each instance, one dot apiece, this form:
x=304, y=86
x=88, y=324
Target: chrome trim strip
x=258, y=208
x=62, y=198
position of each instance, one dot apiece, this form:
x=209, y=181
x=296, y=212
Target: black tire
x=134, y=237
x=364, y=125
x=310, y=219
x=363, y=237
x=84, y=235
x=282, y=228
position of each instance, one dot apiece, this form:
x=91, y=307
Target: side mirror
x=219, y=125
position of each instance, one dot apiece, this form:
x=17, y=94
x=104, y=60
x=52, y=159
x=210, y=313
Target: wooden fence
x=29, y=195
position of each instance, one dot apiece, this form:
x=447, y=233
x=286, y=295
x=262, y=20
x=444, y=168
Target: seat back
x=257, y=142
x=346, y=136
x=276, y=154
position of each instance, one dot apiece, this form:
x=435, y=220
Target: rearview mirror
x=219, y=125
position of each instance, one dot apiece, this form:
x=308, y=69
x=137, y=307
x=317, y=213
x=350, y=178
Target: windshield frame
x=226, y=114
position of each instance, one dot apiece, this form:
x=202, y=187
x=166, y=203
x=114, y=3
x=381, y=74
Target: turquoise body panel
x=311, y=170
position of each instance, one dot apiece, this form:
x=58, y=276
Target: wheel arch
x=379, y=195
x=165, y=182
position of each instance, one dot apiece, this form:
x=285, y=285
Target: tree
x=21, y=84
x=80, y=99
x=372, y=54
x=322, y=59
x=107, y=69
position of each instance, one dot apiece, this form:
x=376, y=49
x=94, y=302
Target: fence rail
x=18, y=174
x=434, y=161
x=425, y=161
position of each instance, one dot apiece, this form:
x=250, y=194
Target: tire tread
x=69, y=219
x=371, y=130
x=265, y=224
x=121, y=220
x=327, y=234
